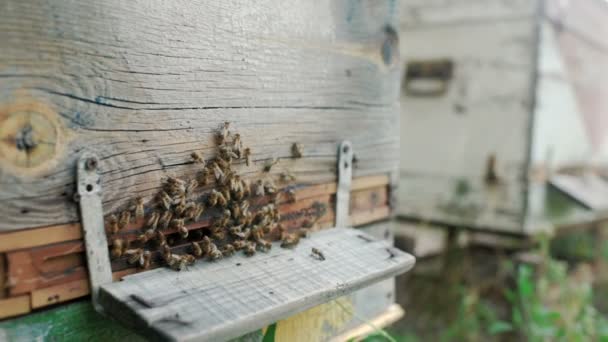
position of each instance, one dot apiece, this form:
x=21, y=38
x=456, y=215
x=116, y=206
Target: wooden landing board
x=245, y=294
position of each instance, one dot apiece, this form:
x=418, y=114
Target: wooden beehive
x=499, y=99
x=143, y=84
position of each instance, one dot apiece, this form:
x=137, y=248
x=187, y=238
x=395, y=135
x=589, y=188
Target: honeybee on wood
x=250, y=249
x=179, y=199
x=196, y=249
x=203, y=178
x=146, y=236
x=113, y=224
x=226, y=193
x=147, y=258
x=125, y=218
x=263, y=245
x=179, y=209
x=134, y=255
x=139, y=208
x=269, y=164
x=179, y=262
x=215, y=253
x=118, y=248
x=217, y=171
x=317, y=254
x=237, y=145
x=198, y=211
x=152, y=222
x=222, y=201
x=259, y=188
x=165, y=251
x=228, y=250
x=165, y=200
x=224, y=133
x=290, y=240
x=247, y=155
x=197, y=158
x=219, y=234
x=206, y=245
x=256, y=232
x=269, y=187
x=227, y=153
x=181, y=228
x=237, y=232
x=165, y=219
x=160, y=238
x=291, y=195
x=246, y=188
x=296, y=150
x=287, y=176
x=191, y=186
x=239, y=244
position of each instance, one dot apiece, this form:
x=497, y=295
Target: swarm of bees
x=234, y=225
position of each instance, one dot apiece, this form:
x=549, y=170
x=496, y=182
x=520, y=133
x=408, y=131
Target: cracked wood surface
x=144, y=83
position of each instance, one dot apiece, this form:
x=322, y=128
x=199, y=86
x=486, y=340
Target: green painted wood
x=76, y=322
x=72, y=322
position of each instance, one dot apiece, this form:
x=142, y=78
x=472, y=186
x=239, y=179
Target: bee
x=256, y=232
x=296, y=150
x=226, y=193
x=219, y=234
x=222, y=201
x=269, y=187
x=225, y=219
x=217, y=171
x=179, y=262
x=147, y=258
x=237, y=232
x=181, y=228
x=246, y=219
x=228, y=250
x=203, y=178
x=197, y=158
x=228, y=153
x=165, y=219
x=152, y=222
x=235, y=208
x=118, y=248
x=196, y=249
x=287, y=176
x=247, y=155
x=135, y=255
x=263, y=245
x=224, y=133
x=125, y=218
x=160, y=238
x=113, y=223
x=192, y=185
x=246, y=188
x=179, y=199
x=198, y=211
x=206, y=245
x=179, y=209
x=239, y=244
x=245, y=207
x=174, y=181
x=250, y=249
x=165, y=200
x=270, y=163
x=290, y=240
x=317, y=254
x=259, y=188
x=291, y=195
x=166, y=252
x=139, y=208
x=146, y=236
x=215, y=253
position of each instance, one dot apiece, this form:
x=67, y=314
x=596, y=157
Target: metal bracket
x=91, y=218
x=345, y=176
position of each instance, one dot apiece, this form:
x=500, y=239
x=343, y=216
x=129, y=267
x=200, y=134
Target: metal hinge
x=345, y=176
x=91, y=219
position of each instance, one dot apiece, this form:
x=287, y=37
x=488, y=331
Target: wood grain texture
x=60, y=293
x=14, y=306
x=142, y=84
x=246, y=294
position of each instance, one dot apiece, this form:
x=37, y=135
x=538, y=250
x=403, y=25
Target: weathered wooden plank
x=14, y=306
x=60, y=293
x=143, y=89
x=3, y=275
x=11, y=241
x=246, y=294
x=63, y=263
